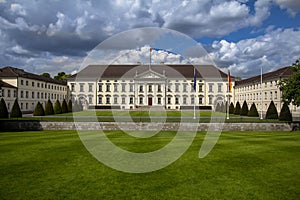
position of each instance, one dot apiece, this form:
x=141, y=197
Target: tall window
x=115, y=87
x=200, y=87
x=150, y=88
x=81, y=87
x=210, y=88
x=90, y=87
x=99, y=87
x=141, y=100
x=131, y=100
x=72, y=87
x=107, y=100
x=184, y=100
x=90, y=99
x=159, y=100
x=192, y=100
x=176, y=87
x=184, y=87
x=210, y=100
x=158, y=88
x=99, y=99
x=176, y=100
x=141, y=88
x=169, y=100
x=123, y=87
x=200, y=100
x=131, y=88
x=8, y=93
x=219, y=87
x=115, y=100
x=107, y=87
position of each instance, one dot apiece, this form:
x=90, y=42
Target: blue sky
x=240, y=35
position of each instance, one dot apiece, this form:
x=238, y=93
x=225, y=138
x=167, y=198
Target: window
x=169, y=87
x=32, y=95
x=265, y=95
x=192, y=100
x=219, y=87
x=184, y=100
x=141, y=100
x=159, y=100
x=99, y=87
x=201, y=87
x=8, y=93
x=150, y=88
x=271, y=96
x=22, y=107
x=210, y=88
x=108, y=87
x=115, y=87
x=38, y=84
x=26, y=106
x=42, y=95
x=176, y=100
x=90, y=87
x=131, y=88
x=15, y=93
x=107, y=100
x=2, y=93
x=177, y=87
x=131, y=100
x=115, y=100
x=26, y=95
x=99, y=99
x=275, y=95
x=81, y=87
x=90, y=99
x=169, y=100
x=26, y=83
x=22, y=82
x=123, y=87
x=123, y=100
x=200, y=100
x=72, y=87
x=42, y=85
x=38, y=95
x=184, y=87
x=158, y=88
x=210, y=100
x=32, y=84
x=141, y=88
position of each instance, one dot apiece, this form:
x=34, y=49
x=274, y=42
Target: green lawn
x=243, y=165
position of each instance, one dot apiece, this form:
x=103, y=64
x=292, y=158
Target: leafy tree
x=39, y=110
x=231, y=108
x=285, y=113
x=245, y=109
x=16, y=111
x=70, y=106
x=61, y=76
x=290, y=87
x=237, y=110
x=49, y=108
x=272, y=111
x=57, y=107
x=46, y=74
x=3, y=109
x=253, y=111
x=64, y=107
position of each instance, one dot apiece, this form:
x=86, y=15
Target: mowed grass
x=242, y=165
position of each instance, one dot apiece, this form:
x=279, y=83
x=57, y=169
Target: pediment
x=150, y=75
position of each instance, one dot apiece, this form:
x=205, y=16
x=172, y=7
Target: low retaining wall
x=36, y=125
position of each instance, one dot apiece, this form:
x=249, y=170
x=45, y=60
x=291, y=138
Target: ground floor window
x=131, y=100
x=159, y=100
x=141, y=100
x=99, y=100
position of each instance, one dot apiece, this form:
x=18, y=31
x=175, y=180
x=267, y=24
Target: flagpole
x=261, y=99
x=229, y=91
x=194, y=93
x=150, y=59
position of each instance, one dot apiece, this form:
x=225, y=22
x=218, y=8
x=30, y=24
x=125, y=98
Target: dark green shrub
x=253, y=111
x=231, y=108
x=70, y=106
x=57, y=107
x=285, y=113
x=3, y=109
x=224, y=107
x=80, y=107
x=272, y=111
x=75, y=106
x=237, y=110
x=245, y=109
x=16, y=111
x=64, y=107
x=49, y=108
x=39, y=110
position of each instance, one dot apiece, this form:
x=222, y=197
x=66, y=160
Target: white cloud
x=293, y=6
x=18, y=9
x=19, y=50
x=273, y=50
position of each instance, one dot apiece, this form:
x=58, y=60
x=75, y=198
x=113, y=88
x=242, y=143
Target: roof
x=9, y=72
x=280, y=73
x=130, y=71
x=4, y=84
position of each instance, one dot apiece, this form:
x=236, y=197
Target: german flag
x=229, y=82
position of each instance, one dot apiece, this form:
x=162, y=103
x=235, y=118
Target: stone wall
x=36, y=125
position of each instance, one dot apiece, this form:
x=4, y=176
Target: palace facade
x=29, y=89
x=135, y=86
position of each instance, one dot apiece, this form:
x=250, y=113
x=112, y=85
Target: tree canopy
x=290, y=87
x=61, y=76
x=46, y=74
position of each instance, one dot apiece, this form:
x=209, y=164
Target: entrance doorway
x=149, y=101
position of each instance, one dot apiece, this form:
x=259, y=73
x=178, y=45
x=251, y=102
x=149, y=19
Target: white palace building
x=135, y=86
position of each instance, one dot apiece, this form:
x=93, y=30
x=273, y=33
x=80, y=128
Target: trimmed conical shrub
x=70, y=106
x=75, y=106
x=49, y=108
x=3, y=109
x=39, y=110
x=64, y=107
x=237, y=110
x=224, y=107
x=57, y=107
x=285, y=113
x=272, y=111
x=16, y=111
x=231, y=108
x=245, y=109
x=253, y=111
x=80, y=107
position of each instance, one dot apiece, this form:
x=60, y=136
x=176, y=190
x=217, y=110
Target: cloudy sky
x=242, y=35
